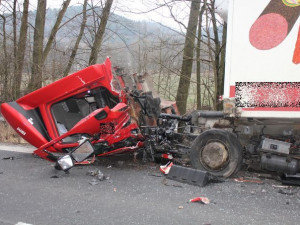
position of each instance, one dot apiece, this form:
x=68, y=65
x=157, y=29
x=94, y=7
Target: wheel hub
x=214, y=155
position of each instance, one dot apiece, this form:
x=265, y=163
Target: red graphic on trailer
x=274, y=25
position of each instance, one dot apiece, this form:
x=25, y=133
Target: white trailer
x=261, y=90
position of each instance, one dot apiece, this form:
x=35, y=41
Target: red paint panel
x=21, y=125
x=232, y=91
x=296, y=57
x=87, y=78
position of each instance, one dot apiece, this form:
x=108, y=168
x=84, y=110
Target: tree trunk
x=216, y=61
x=55, y=28
x=188, y=53
x=15, y=31
x=21, y=50
x=74, y=51
x=5, y=78
x=37, y=56
x=100, y=33
x=198, y=73
x=222, y=63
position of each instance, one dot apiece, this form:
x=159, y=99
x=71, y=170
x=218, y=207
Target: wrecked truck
x=95, y=112
x=259, y=124
x=88, y=104
x=92, y=105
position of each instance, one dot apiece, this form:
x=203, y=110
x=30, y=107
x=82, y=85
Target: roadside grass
x=9, y=135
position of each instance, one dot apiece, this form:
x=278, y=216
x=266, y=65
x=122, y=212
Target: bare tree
x=39, y=55
x=218, y=48
x=55, y=28
x=5, y=61
x=79, y=37
x=188, y=53
x=38, y=38
x=198, y=72
x=100, y=33
x=21, y=51
x=14, y=14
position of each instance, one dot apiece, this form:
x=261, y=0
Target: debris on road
x=11, y=158
x=203, y=200
x=165, y=169
x=97, y=173
x=180, y=207
x=242, y=180
x=54, y=176
x=280, y=186
x=115, y=189
x=287, y=192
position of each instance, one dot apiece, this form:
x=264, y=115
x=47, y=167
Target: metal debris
x=11, y=158
x=284, y=192
x=97, y=173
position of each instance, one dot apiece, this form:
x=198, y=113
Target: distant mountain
x=119, y=28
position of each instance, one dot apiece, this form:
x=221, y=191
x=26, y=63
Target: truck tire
x=218, y=152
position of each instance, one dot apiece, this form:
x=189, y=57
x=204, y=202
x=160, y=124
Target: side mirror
x=79, y=154
x=64, y=163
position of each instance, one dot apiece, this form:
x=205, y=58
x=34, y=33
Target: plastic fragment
x=166, y=168
x=242, y=180
x=180, y=207
x=167, y=156
x=203, y=200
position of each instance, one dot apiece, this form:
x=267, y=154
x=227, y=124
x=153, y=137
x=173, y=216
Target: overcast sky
x=151, y=10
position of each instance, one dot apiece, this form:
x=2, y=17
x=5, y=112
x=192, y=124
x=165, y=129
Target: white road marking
x=21, y=223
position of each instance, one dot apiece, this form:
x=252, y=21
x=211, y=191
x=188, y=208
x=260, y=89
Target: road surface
x=33, y=192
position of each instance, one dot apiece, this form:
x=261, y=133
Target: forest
x=41, y=44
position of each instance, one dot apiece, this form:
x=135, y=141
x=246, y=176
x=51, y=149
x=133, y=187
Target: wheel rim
x=214, y=156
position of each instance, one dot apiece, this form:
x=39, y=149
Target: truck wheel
x=218, y=152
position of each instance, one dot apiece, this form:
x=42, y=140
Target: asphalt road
x=134, y=194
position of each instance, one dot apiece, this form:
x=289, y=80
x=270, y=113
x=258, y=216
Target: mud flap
x=188, y=175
